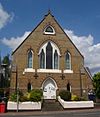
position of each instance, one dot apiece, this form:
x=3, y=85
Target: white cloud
x=14, y=42
x=89, y=50
x=4, y=17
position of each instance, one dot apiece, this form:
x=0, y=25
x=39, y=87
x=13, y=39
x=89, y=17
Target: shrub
x=75, y=98
x=65, y=95
x=13, y=97
x=27, y=96
x=36, y=95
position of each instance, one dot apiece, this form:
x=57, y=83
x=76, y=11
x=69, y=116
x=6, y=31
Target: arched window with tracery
x=49, y=55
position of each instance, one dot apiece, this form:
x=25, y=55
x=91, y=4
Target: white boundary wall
x=75, y=104
x=24, y=105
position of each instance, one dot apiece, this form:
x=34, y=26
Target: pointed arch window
x=68, y=87
x=42, y=59
x=49, y=30
x=29, y=87
x=68, y=60
x=30, y=56
x=55, y=60
x=49, y=56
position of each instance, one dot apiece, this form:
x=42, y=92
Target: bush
x=65, y=95
x=13, y=97
x=75, y=98
x=36, y=95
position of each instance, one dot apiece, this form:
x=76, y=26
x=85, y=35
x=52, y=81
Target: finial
x=49, y=11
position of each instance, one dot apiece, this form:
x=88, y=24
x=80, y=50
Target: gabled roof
x=49, y=13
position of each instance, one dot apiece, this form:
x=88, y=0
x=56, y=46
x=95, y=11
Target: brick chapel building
x=47, y=59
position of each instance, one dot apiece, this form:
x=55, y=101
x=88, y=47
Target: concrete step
x=51, y=105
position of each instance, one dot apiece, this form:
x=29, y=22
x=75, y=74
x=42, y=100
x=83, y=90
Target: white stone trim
x=29, y=70
x=49, y=70
x=68, y=71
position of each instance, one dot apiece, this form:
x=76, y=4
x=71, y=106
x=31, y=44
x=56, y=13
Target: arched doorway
x=49, y=87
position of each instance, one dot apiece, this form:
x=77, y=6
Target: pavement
x=14, y=113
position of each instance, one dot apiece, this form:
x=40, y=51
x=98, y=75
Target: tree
x=6, y=60
x=6, y=64
x=96, y=84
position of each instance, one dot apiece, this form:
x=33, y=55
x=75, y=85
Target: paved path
x=70, y=113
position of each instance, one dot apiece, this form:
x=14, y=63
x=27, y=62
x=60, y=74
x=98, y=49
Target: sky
x=80, y=19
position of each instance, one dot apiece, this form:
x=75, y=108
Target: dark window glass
x=55, y=60
x=42, y=60
x=67, y=61
x=29, y=87
x=49, y=29
x=30, y=59
x=49, y=56
x=68, y=87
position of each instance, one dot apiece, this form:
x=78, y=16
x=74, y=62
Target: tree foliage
x=6, y=60
x=96, y=84
x=5, y=80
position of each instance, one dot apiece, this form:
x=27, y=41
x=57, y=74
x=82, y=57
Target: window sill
x=29, y=70
x=68, y=71
x=46, y=70
x=49, y=70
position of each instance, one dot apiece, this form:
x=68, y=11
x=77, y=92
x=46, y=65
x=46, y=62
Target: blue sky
x=79, y=18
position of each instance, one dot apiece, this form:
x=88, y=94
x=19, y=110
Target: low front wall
x=24, y=105
x=75, y=104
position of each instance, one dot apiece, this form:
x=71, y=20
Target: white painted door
x=49, y=91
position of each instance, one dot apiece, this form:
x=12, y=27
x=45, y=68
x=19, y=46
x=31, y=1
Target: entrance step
x=51, y=105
